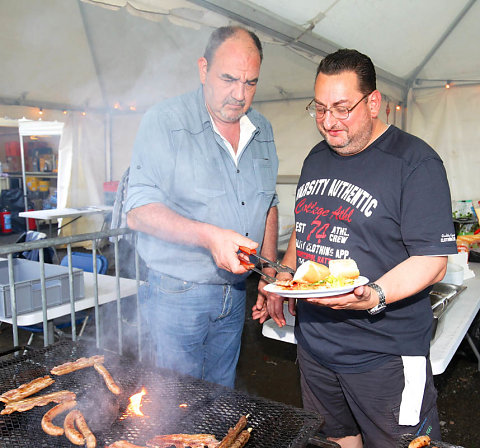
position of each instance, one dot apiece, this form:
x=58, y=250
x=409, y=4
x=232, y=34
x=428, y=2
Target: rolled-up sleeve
x=152, y=162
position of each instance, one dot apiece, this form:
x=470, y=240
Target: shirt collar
x=247, y=128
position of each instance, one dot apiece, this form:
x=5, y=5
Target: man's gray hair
x=220, y=35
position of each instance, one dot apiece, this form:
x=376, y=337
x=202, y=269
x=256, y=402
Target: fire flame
x=136, y=403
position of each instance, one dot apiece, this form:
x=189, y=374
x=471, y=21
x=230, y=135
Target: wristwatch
x=381, y=299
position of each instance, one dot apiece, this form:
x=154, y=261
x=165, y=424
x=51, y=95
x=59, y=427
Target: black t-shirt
x=378, y=207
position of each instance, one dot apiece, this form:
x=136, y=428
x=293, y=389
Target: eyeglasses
x=339, y=112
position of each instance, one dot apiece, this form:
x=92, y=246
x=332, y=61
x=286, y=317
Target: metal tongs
x=265, y=262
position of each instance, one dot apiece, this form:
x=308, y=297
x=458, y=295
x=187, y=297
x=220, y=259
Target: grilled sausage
x=70, y=432
x=233, y=433
x=112, y=386
x=90, y=439
x=47, y=424
x=242, y=439
x=419, y=442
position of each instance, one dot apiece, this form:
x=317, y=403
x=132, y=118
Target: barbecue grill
x=206, y=407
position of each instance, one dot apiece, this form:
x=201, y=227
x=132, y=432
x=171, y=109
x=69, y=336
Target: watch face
x=377, y=309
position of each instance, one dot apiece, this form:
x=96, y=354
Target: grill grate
x=210, y=408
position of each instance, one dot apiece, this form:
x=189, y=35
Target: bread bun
x=311, y=272
x=344, y=268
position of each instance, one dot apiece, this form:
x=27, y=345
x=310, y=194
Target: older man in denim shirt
x=202, y=183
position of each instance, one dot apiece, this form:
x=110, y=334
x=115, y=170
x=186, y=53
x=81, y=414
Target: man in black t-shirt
x=380, y=196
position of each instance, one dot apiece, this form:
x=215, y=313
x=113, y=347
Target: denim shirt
x=178, y=160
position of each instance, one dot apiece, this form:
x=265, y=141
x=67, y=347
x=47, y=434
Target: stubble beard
x=230, y=116
x=352, y=144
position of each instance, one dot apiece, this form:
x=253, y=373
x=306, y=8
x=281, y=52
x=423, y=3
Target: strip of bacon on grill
x=27, y=389
x=40, y=400
x=109, y=381
x=80, y=363
x=124, y=444
x=183, y=441
x=233, y=432
x=47, y=419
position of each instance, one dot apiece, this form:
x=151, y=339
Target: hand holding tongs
x=273, y=264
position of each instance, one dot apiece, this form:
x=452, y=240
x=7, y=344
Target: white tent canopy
x=111, y=56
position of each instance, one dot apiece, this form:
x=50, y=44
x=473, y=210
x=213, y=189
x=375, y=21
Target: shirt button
x=246, y=234
x=243, y=203
x=238, y=171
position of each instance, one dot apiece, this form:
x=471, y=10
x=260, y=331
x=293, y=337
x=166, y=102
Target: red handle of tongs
x=247, y=265
x=247, y=250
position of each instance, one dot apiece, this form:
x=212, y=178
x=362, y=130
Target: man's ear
x=375, y=103
x=202, y=69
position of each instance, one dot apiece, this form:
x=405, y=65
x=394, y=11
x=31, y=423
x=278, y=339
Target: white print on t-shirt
x=448, y=237
x=352, y=194
x=324, y=230
x=339, y=235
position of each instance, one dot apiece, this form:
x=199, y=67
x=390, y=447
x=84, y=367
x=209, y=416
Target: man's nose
x=329, y=120
x=239, y=91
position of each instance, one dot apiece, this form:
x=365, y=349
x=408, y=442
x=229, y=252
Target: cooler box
x=28, y=290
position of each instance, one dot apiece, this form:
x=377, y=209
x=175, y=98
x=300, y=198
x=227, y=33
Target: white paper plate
x=319, y=292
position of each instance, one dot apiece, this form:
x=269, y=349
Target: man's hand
x=223, y=245
x=275, y=303
x=259, y=310
x=361, y=298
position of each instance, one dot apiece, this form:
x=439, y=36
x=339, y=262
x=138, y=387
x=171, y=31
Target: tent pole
x=108, y=147
x=24, y=180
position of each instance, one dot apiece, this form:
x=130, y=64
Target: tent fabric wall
x=447, y=120
x=124, y=130
x=81, y=170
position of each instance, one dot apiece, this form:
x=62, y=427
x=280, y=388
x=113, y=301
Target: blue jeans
x=197, y=328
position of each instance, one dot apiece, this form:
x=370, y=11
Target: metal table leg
x=474, y=348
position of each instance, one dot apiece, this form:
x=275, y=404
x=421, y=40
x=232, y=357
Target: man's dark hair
x=347, y=60
x=220, y=35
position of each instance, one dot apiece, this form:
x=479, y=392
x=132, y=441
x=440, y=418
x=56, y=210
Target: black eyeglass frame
x=349, y=110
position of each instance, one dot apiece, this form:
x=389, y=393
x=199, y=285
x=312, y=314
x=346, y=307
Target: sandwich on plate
x=312, y=275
